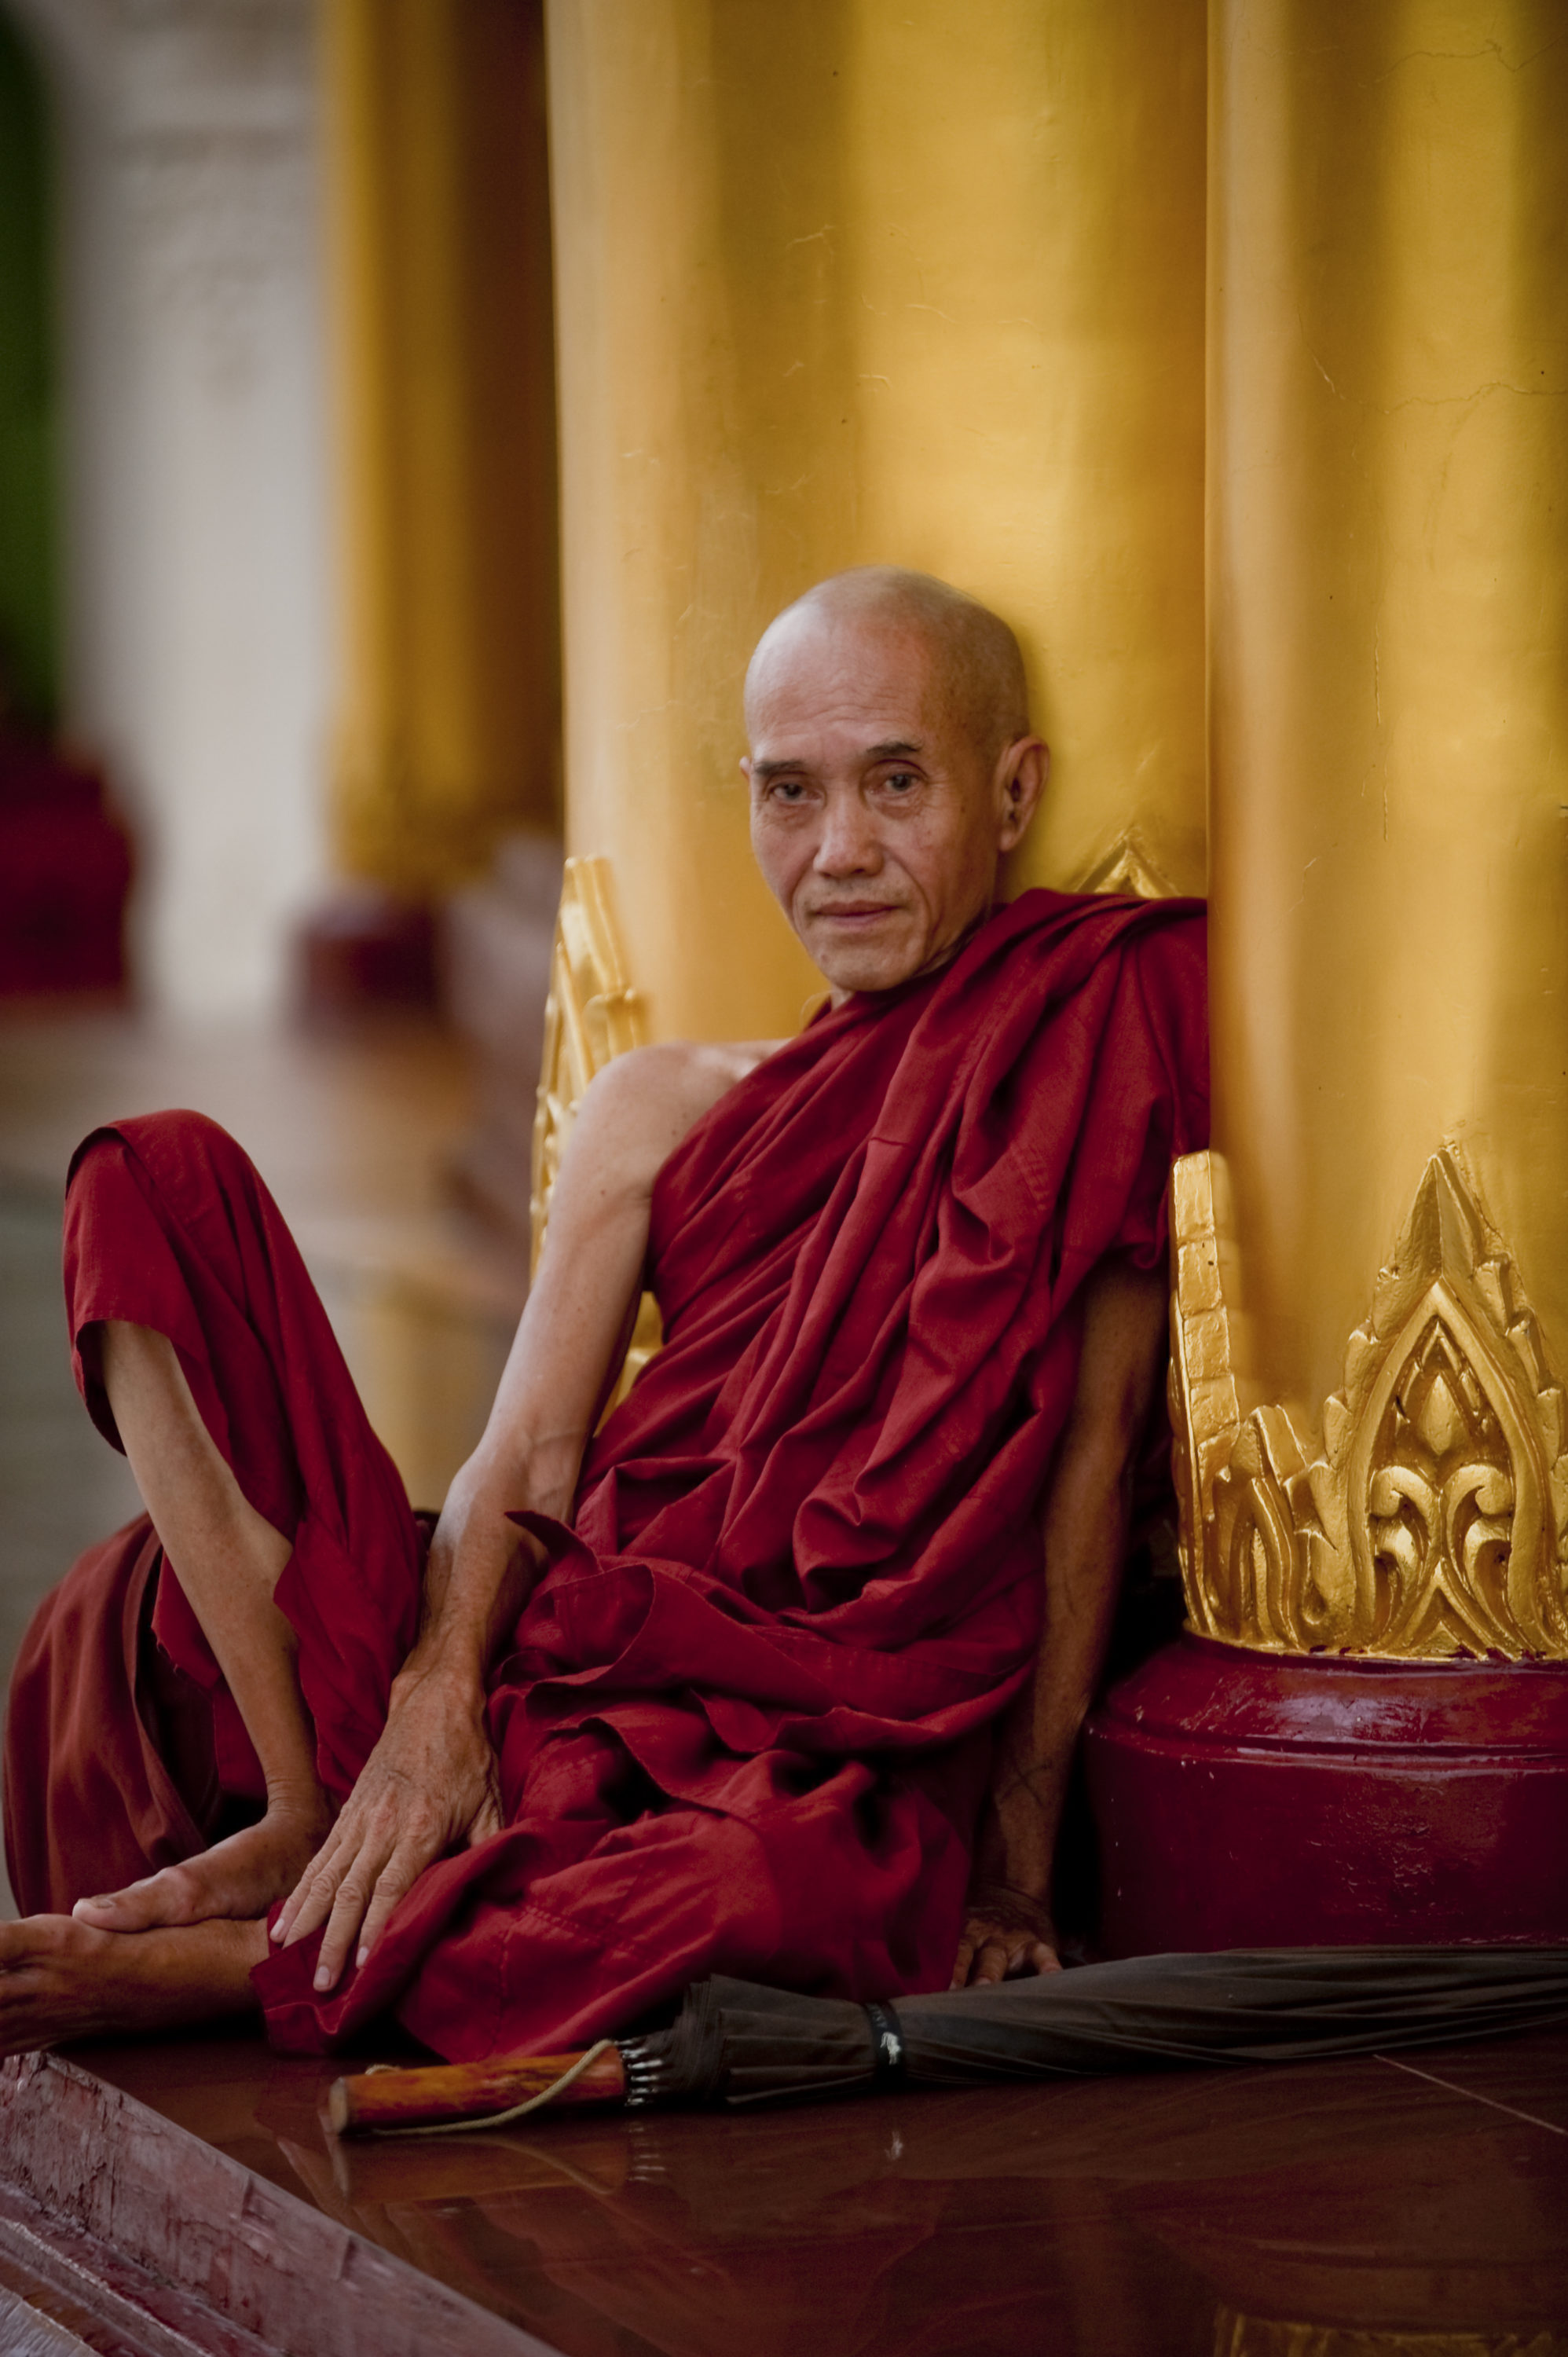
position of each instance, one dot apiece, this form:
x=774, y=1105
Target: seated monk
x=779, y=1673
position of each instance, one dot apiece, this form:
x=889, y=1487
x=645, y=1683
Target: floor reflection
x=1321, y=2210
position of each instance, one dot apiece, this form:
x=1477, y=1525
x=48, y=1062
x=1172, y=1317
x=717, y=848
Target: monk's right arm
x=567, y=1349
x=430, y=1782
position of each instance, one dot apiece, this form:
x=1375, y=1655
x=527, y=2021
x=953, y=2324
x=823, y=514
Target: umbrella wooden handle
x=468, y=2091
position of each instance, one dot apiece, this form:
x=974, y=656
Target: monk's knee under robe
x=124, y=1752
x=744, y=1720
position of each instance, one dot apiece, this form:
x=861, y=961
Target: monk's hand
x=429, y=1786
x=1007, y=1935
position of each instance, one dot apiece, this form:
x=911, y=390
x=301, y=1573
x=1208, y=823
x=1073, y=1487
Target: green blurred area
x=29, y=634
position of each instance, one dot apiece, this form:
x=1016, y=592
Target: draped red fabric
x=744, y=1726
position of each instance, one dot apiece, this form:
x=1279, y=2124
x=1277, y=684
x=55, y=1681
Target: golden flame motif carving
x=1127, y=868
x=591, y=1015
x=1236, y=2335
x=1435, y=1521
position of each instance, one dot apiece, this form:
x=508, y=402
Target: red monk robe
x=744, y=1723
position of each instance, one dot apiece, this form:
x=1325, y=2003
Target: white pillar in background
x=198, y=596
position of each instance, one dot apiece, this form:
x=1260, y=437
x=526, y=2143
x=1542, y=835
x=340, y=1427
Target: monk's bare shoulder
x=637, y=1111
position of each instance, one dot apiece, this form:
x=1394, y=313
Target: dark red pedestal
x=1252, y=1800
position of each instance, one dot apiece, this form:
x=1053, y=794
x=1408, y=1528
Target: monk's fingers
x=309, y=1903
x=347, y=1864
x=991, y=1963
x=395, y=1882
x=356, y=1893
x=977, y=1931
x=404, y=1834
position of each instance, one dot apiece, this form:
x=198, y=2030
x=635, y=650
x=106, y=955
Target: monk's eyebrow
x=892, y=749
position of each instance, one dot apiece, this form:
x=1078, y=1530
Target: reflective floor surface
x=1416, y=2208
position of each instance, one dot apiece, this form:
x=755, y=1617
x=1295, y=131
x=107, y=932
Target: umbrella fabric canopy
x=736, y=2043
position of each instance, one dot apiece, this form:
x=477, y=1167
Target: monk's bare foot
x=238, y=1878
x=61, y=1980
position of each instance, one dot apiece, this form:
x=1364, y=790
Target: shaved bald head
x=976, y=656
x=892, y=765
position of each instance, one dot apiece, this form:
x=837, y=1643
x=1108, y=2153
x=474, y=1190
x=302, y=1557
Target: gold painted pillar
x=448, y=729
x=849, y=282
x=1375, y=1288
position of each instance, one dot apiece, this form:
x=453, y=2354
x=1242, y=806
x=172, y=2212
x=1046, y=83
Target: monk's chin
x=863, y=965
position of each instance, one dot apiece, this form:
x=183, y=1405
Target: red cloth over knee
x=94, y=1795
x=167, y=1225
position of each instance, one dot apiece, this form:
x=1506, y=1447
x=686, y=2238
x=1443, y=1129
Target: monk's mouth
x=855, y=914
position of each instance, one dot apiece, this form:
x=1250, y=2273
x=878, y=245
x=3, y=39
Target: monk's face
x=876, y=816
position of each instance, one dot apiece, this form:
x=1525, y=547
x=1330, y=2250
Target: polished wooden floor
x=1416, y=2208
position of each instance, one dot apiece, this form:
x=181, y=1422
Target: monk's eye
x=789, y=790
x=901, y=782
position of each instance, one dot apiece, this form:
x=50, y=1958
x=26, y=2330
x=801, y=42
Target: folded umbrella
x=736, y=2042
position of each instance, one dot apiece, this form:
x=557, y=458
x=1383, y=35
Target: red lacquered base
x=1247, y=1800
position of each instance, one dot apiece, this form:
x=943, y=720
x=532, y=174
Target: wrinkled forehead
x=814, y=667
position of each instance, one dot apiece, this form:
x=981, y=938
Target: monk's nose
x=849, y=845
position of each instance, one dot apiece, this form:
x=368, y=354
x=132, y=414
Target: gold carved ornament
x=1127, y=868
x=1432, y=1522
x=591, y=1016
x=1236, y=2335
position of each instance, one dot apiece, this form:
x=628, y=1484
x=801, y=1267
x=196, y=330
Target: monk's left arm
x=431, y=1782
x=1084, y=1528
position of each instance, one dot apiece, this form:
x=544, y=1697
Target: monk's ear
x=1021, y=780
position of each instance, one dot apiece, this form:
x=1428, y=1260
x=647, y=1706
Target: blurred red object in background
x=363, y=952
x=65, y=874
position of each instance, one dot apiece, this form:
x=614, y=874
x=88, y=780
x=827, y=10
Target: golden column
x=845, y=283
x=448, y=727
x=1372, y=1312
x=1389, y=595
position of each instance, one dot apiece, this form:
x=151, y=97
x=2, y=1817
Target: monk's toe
x=167, y=1898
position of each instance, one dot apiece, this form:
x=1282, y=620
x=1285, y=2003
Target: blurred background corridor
x=279, y=671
